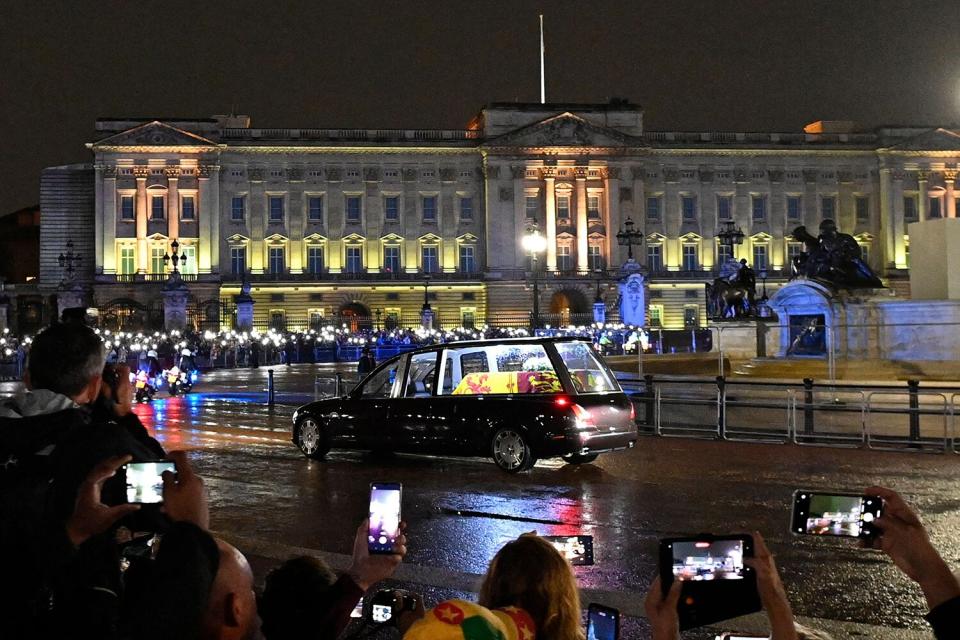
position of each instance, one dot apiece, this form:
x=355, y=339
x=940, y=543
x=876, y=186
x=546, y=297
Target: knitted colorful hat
x=462, y=620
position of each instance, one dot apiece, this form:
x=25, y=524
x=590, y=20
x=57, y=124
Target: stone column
x=551, y=202
x=143, y=258
x=213, y=215
x=611, y=189
x=173, y=202
x=948, y=179
x=923, y=197
x=582, y=262
x=108, y=261
x=638, y=173
x=899, y=228
x=208, y=218
x=98, y=218
x=518, y=173
x=886, y=217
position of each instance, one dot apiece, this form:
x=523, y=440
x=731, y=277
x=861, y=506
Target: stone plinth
x=633, y=304
x=175, y=296
x=742, y=339
x=426, y=319
x=935, y=259
x=71, y=298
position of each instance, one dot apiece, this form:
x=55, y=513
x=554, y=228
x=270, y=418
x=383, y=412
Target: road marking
x=630, y=603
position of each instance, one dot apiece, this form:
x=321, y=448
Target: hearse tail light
x=562, y=401
x=633, y=411
x=583, y=418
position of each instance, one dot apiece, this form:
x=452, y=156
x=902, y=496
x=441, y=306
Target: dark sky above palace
x=750, y=65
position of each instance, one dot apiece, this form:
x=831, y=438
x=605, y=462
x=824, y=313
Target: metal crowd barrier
x=882, y=417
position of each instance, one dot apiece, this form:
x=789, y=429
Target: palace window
x=157, y=265
x=653, y=208
x=532, y=206
x=276, y=208
x=760, y=257
x=467, y=260
x=238, y=206
x=157, y=208
x=429, y=261
x=188, y=261
x=238, y=260
x=315, y=208
x=127, y=260
x=595, y=257
x=563, y=207
x=724, y=207
x=127, y=212
x=910, y=208
x=688, y=208
x=466, y=208
x=468, y=317
x=759, y=208
x=564, y=259
x=277, y=263
x=865, y=252
x=655, y=257
x=429, y=208
x=828, y=207
x=315, y=259
x=188, y=210
x=690, y=258
x=794, y=249
x=793, y=208
x=724, y=254
x=391, y=259
x=391, y=208
x=353, y=204
x=656, y=315
x=354, y=258
x=593, y=207
x=936, y=207
x=863, y=209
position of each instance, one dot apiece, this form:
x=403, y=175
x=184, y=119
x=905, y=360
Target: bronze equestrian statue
x=833, y=258
x=733, y=296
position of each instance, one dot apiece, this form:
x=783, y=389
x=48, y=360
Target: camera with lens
x=386, y=605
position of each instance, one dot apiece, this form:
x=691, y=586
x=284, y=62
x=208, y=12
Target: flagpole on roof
x=543, y=87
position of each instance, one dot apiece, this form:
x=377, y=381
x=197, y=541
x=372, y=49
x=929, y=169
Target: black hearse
x=516, y=400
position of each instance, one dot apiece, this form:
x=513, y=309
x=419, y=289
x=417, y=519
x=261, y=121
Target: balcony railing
x=142, y=277
x=355, y=277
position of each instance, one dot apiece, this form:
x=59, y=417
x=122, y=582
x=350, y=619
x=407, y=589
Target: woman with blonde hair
x=530, y=573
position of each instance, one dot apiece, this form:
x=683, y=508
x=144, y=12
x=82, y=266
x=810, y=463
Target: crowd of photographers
x=80, y=562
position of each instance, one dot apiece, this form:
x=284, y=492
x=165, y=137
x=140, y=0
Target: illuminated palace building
x=335, y=224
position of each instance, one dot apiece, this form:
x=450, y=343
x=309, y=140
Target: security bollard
x=913, y=386
x=648, y=391
x=721, y=405
x=808, y=405
x=339, y=389
x=270, y=395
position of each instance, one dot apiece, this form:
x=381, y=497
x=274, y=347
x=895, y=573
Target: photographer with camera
x=905, y=540
x=303, y=598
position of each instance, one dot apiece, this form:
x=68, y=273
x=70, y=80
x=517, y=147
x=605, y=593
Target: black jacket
x=945, y=620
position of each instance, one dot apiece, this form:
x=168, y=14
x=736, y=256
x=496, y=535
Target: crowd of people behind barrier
x=80, y=561
x=211, y=349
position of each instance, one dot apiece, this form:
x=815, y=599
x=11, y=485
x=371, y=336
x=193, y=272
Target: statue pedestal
x=244, y=314
x=935, y=259
x=4, y=311
x=175, y=295
x=633, y=300
x=599, y=313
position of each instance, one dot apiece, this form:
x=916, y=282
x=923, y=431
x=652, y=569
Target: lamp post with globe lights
x=534, y=244
x=628, y=236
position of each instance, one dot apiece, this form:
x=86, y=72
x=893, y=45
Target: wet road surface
x=274, y=502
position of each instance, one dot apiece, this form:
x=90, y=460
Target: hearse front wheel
x=511, y=451
x=311, y=439
x=580, y=458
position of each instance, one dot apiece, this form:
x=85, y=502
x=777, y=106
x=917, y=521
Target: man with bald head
x=232, y=606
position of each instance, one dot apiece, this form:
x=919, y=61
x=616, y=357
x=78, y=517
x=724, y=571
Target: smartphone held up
x=384, y=527
x=835, y=514
x=144, y=480
x=603, y=623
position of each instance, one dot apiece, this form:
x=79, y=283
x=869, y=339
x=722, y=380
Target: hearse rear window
x=498, y=369
x=586, y=372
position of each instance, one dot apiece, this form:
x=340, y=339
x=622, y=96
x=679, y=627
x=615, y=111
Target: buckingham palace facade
x=333, y=223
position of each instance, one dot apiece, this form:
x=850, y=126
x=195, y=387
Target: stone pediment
x=564, y=130
x=155, y=134
x=933, y=140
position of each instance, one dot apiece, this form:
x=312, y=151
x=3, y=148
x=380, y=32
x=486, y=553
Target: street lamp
x=730, y=234
x=628, y=236
x=426, y=294
x=534, y=244
x=69, y=262
x=174, y=257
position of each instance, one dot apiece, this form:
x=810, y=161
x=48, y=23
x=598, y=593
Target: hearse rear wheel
x=311, y=440
x=580, y=458
x=511, y=451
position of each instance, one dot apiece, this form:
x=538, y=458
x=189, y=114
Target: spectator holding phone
x=904, y=539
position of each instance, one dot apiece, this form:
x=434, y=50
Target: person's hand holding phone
x=662, y=610
x=90, y=516
x=904, y=539
x=184, y=495
x=366, y=569
x=772, y=594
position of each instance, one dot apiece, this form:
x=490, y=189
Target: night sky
x=693, y=65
